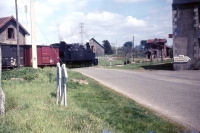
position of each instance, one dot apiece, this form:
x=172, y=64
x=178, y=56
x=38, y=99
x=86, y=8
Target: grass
x=30, y=107
x=139, y=64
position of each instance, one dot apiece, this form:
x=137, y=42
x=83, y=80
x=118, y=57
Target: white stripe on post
x=58, y=83
x=63, y=86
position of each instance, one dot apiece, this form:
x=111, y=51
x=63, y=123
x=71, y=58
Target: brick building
x=8, y=31
x=97, y=48
x=156, y=48
x=186, y=33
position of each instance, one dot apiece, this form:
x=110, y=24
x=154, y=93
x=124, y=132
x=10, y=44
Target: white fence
x=61, y=87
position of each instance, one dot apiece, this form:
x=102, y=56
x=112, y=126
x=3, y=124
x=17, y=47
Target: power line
x=22, y=2
x=165, y=2
x=45, y=37
x=49, y=42
x=162, y=9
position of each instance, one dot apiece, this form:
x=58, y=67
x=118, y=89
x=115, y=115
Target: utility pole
x=26, y=10
x=133, y=48
x=33, y=36
x=116, y=47
x=81, y=32
x=18, y=52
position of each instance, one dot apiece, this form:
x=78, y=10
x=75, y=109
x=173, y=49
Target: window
x=11, y=33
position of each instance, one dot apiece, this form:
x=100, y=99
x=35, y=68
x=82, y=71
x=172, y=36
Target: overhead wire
x=48, y=42
x=165, y=8
x=165, y=2
x=22, y=2
x=45, y=37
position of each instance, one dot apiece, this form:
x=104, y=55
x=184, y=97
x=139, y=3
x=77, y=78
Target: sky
x=114, y=20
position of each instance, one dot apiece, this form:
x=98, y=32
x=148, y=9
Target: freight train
x=69, y=54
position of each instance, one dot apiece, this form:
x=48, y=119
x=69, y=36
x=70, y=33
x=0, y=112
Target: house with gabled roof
x=8, y=31
x=156, y=48
x=97, y=48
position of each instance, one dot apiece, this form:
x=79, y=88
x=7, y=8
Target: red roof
x=5, y=20
x=156, y=40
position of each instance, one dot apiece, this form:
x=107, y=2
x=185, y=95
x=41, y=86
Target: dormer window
x=11, y=33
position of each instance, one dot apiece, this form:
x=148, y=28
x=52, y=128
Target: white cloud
x=102, y=25
x=43, y=10
x=60, y=20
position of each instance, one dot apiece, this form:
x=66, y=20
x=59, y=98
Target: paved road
x=174, y=94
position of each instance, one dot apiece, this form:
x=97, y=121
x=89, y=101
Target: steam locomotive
x=75, y=54
x=69, y=54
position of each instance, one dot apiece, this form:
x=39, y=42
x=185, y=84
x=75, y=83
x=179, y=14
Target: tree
x=143, y=44
x=107, y=46
x=127, y=51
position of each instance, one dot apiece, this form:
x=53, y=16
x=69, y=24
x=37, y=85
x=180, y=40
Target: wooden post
x=63, y=86
x=133, y=49
x=17, y=23
x=151, y=60
x=161, y=54
x=58, y=84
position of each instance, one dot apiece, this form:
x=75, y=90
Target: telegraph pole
x=133, y=48
x=18, y=52
x=81, y=32
x=116, y=47
x=33, y=36
x=26, y=10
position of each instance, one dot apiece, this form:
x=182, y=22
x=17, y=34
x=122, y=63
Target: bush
x=26, y=73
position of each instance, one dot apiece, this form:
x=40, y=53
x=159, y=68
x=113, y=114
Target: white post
x=2, y=102
x=58, y=84
x=63, y=86
x=2, y=95
x=33, y=36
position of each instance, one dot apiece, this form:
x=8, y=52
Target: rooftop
x=5, y=20
x=156, y=40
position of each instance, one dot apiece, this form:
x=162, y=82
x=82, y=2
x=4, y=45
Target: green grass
x=140, y=64
x=30, y=107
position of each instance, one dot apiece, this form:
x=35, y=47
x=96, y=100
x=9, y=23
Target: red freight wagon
x=46, y=55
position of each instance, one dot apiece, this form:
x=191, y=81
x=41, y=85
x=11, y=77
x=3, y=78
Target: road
x=173, y=94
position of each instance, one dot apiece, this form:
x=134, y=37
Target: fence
x=61, y=87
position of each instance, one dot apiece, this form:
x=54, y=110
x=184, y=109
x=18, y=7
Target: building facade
x=156, y=48
x=186, y=33
x=8, y=31
x=97, y=48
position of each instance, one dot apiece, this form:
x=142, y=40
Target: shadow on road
x=166, y=66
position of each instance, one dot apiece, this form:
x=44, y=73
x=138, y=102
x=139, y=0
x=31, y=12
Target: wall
x=184, y=36
x=98, y=50
x=3, y=34
x=158, y=51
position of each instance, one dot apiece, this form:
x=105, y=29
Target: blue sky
x=114, y=20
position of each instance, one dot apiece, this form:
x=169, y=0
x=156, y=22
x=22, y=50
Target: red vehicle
x=46, y=55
